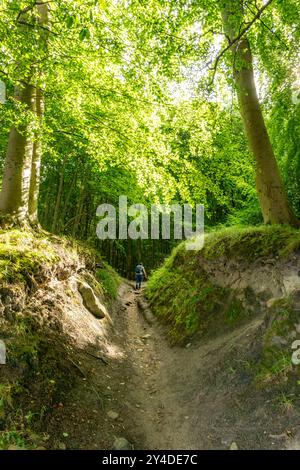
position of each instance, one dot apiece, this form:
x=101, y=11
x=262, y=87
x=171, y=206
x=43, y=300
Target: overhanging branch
x=237, y=38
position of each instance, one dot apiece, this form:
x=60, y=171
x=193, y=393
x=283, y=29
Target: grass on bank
x=181, y=294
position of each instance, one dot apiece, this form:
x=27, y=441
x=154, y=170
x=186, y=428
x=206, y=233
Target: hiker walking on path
x=140, y=275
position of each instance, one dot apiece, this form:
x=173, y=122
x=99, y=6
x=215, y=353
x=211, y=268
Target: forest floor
x=159, y=396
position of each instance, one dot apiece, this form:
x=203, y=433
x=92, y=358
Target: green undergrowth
x=22, y=255
x=37, y=377
x=275, y=364
x=25, y=255
x=250, y=242
x=191, y=306
x=109, y=280
x=181, y=294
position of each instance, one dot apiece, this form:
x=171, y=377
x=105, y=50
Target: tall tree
x=18, y=197
x=16, y=178
x=43, y=19
x=35, y=166
x=272, y=196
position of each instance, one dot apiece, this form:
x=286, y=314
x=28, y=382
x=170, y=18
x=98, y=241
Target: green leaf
x=84, y=34
x=70, y=21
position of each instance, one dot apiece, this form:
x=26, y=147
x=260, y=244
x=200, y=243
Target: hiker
x=140, y=274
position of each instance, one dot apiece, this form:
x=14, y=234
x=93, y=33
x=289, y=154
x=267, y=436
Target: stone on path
x=90, y=300
x=234, y=446
x=2, y=352
x=278, y=341
x=147, y=336
x=122, y=444
x=112, y=414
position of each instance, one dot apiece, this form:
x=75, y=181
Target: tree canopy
x=149, y=99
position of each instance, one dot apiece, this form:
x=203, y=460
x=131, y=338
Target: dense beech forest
x=120, y=333
x=176, y=101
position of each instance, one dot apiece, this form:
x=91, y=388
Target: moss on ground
x=37, y=376
x=22, y=255
x=252, y=242
x=275, y=364
x=182, y=296
x=109, y=280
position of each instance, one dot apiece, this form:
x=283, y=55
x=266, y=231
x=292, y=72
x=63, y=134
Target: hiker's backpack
x=139, y=269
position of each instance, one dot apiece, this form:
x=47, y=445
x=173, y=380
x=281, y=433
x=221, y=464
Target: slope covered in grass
x=208, y=291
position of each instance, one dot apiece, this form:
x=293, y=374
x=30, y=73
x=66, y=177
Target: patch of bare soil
x=162, y=397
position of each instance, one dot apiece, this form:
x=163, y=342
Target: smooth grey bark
x=36, y=163
x=17, y=168
x=43, y=19
x=18, y=197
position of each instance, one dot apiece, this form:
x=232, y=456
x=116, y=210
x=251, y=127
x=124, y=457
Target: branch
x=237, y=38
x=25, y=10
x=23, y=22
x=73, y=134
x=212, y=31
x=31, y=7
x=23, y=82
x=269, y=29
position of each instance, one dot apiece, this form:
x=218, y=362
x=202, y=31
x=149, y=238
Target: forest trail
x=179, y=397
x=196, y=397
x=161, y=412
x=121, y=378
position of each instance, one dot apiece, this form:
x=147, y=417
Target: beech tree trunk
x=270, y=189
x=19, y=194
x=43, y=18
x=59, y=194
x=36, y=163
x=16, y=179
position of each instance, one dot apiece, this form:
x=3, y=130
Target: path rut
x=161, y=416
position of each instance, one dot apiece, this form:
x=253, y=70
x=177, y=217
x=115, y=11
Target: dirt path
x=162, y=397
x=140, y=393
x=201, y=397
x=160, y=420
